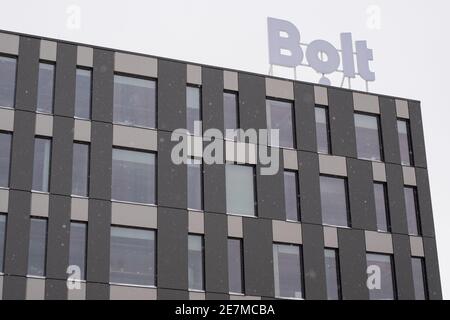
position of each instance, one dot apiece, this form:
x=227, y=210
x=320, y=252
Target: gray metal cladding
x=65, y=78
x=252, y=101
x=432, y=269
x=170, y=294
x=97, y=291
x=305, y=121
x=14, y=287
x=396, y=198
x=403, y=267
x=103, y=85
x=55, y=289
x=389, y=133
x=417, y=137
x=424, y=203
x=309, y=186
x=342, y=124
x=212, y=99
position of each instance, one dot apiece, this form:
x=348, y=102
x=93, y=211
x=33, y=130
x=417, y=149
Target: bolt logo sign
x=285, y=49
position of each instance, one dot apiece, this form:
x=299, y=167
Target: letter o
x=314, y=61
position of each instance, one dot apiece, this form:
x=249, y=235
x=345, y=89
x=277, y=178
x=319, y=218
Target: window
x=240, y=189
x=80, y=169
x=322, y=130
x=382, y=264
x=41, y=164
x=193, y=108
x=133, y=176
x=280, y=116
x=412, y=214
x=287, y=271
x=235, y=266
x=404, y=138
x=45, y=87
x=2, y=239
x=134, y=101
x=367, y=137
x=195, y=184
x=5, y=158
x=291, y=195
x=77, y=249
x=37, y=247
x=195, y=262
x=230, y=114
x=83, y=93
x=420, y=286
x=332, y=274
x=7, y=81
x=381, y=207
x=132, y=258
x=333, y=195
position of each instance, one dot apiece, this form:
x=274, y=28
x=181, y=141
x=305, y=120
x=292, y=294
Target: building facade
x=89, y=189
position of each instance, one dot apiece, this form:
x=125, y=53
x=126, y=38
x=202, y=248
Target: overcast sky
x=408, y=38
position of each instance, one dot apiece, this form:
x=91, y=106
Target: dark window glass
x=412, y=214
x=230, y=113
x=77, y=250
x=405, y=142
x=193, y=108
x=280, y=116
x=386, y=288
x=80, y=169
x=45, y=87
x=134, y=101
x=235, y=266
x=291, y=195
x=132, y=259
x=5, y=158
x=37, y=247
x=333, y=196
x=41, y=164
x=195, y=184
x=83, y=94
x=367, y=137
x=133, y=176
x=7, y=81
x=2, y=239
x=322, y=130
x=287, y=271
x=240, y=189
x=332, y=274
x=420, y=287
x=195, y=262
x=381, y=207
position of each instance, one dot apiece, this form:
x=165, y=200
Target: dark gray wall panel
x=17, y=233
x=252, y=101
x=309, y=185
x=27, y=73
x=62, y=152
x=65, y=78
x=305, y=117
x=432, y=269
x=212, y=99
x=417, y=137
x=58, y=237
x=403, y=267
x=168, y=294
x=314, y=262
x=342, y=123
x=55, y=289
x=14, y=288
x=361, y=194
x=258, y=255
x=424, y=199
x=396, y=198
x=389, y=133
x=103, y=85
x=353, y=264
x=100, y=160
x=216, y=252
x=97, y=291
x=216, y=296
x=22, y=152
x=172, y=260
x=270, y=191
x=171, y=95
x=214, y=188
x=172, y=178
x=99, y=230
